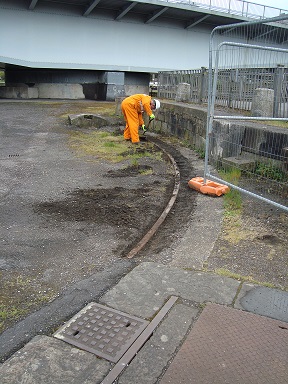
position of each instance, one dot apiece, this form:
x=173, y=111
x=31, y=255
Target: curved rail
x=164, y=214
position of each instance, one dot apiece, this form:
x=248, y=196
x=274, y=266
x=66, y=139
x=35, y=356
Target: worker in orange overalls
x=133, y=108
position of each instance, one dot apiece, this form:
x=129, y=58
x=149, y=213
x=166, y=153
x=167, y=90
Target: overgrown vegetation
x=15, y=286
x=276, y=123
x=232, y=199
x=2, y=78
x=108, y=146
x=105, y=108
x=270, y=171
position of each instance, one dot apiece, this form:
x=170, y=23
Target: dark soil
x=106, y=206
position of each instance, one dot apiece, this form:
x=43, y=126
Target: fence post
x=262, y=102
x=202, y=85
x=231, y=90
x=183, y=92
x=278, y=78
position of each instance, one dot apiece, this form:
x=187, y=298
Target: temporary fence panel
x=249, y=150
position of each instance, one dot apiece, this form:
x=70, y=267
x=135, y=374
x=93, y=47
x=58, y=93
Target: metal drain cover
x=104, y=331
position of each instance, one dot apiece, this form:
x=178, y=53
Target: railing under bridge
x=235, y=7
x=235, y=87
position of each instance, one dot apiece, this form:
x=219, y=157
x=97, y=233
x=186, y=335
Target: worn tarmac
x=177, y=324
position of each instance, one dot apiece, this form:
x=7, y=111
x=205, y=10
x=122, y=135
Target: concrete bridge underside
x=99, y=49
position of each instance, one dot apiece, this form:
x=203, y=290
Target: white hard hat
x=157, y=103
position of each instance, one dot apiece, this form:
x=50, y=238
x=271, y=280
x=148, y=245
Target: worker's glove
x=144, y=128
x=151, y=117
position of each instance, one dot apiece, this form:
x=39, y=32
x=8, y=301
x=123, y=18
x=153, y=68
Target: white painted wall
x=44, y=39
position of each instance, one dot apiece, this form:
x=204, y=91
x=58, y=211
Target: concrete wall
x=182, y=120
x=71, y=91
x=21, y=91
x=43, y=91
x=60, y=91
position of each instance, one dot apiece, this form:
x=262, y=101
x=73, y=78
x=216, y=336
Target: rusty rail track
x=168, y=207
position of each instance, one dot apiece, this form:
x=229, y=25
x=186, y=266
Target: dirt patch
x=116, y=206
x=254, y=245
x=130, y=171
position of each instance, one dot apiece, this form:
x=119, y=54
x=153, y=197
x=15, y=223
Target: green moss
x=236, y=276
x=19, y=296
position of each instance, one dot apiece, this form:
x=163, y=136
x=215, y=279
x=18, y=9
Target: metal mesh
x=247, y=81
x=251, y=157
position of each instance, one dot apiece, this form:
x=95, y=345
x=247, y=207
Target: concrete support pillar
x=114, y=85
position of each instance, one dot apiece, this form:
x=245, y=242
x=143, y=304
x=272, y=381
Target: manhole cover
x=104, y=331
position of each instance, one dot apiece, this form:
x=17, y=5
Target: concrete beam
x=33, y=4
x=91, y=7
x=125, y=10
x=196, y=21
x=155, y=15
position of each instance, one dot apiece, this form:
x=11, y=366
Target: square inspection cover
x=227, y=345
x=104, y=331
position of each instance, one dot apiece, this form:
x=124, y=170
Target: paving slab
x=47, y=360
x=189, y=253
x=263, y=301
x=144, y=290
x=148, y=364
x=227, y=345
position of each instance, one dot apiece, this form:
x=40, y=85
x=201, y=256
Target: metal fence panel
x=252, y=147
x=245, y=89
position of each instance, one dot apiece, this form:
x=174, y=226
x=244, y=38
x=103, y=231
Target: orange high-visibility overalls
x=132, y=109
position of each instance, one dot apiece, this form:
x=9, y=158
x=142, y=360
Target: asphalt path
x=64, y=263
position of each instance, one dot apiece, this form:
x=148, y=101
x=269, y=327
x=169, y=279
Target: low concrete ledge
x=87, y=120
x=238, y=162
